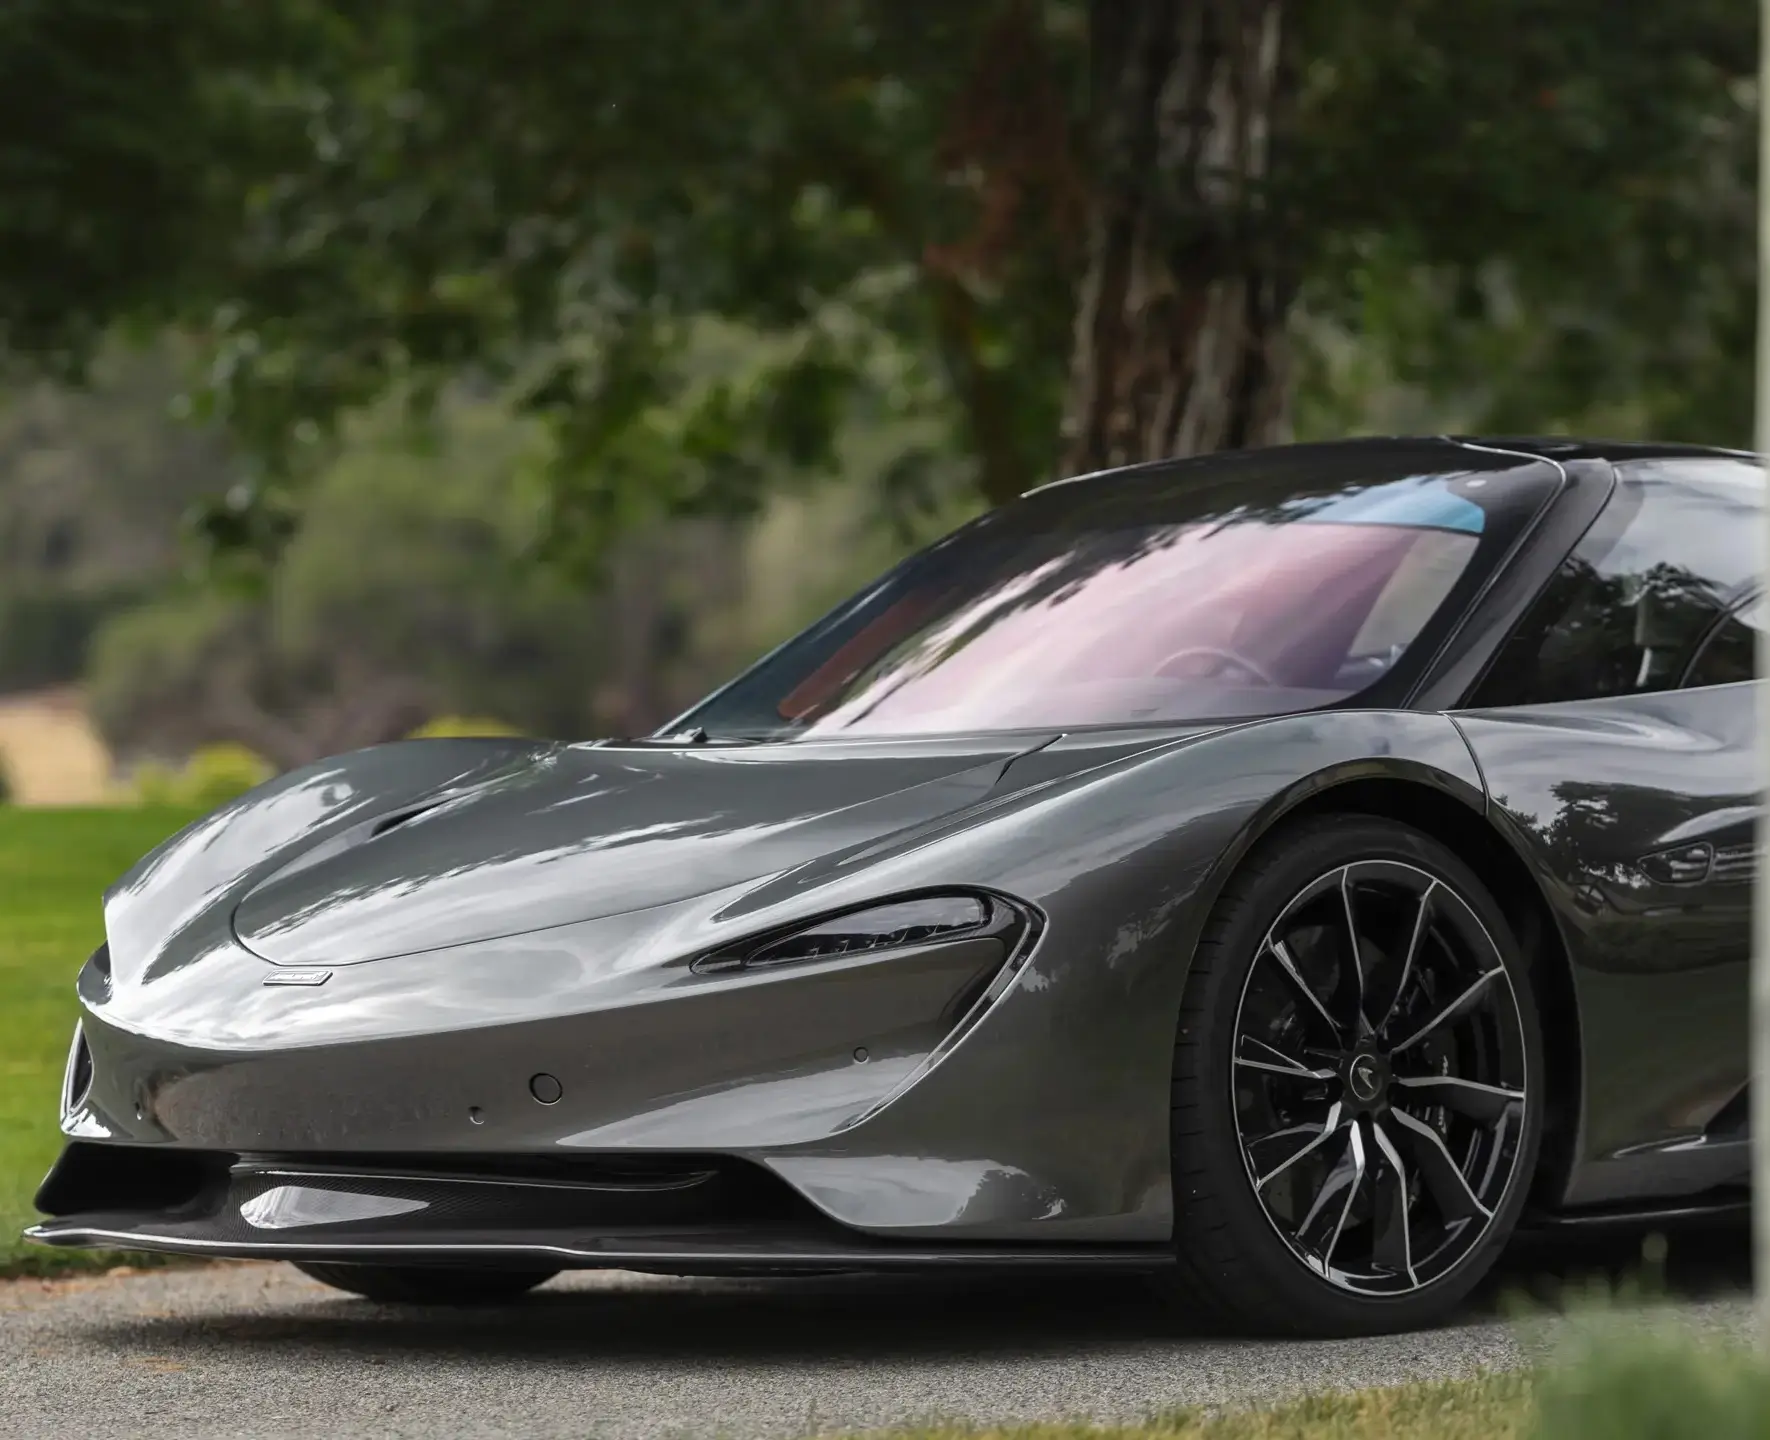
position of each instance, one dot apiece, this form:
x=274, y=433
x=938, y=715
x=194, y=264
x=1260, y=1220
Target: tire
x=426, y=1284
x=1238, y=1259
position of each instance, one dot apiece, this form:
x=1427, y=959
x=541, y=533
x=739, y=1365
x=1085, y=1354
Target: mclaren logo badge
x=1364, y=1078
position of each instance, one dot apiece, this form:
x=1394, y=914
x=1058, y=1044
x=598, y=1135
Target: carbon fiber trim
x=673, y=1214
x=691, y=1254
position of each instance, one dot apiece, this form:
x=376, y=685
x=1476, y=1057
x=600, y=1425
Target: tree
x=1077, y=234
x=406, y=595
x=92, y=487
x=1180, y=334
x=410, y=592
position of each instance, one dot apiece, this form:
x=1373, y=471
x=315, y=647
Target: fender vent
x=1734, y=863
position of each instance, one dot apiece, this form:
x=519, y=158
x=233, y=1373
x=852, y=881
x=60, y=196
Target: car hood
x=581, y=832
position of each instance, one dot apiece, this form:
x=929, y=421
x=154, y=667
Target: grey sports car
x=1285, y=873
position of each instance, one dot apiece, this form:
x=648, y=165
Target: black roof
x=1563, y=447
x=1548, y=447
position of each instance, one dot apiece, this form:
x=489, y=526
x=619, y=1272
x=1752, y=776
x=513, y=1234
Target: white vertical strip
x=1760, y=1005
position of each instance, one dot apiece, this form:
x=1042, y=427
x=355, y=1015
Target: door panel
x=1640, y=815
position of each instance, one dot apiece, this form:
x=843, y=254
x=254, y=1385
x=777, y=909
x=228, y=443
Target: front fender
x=1050, y=1117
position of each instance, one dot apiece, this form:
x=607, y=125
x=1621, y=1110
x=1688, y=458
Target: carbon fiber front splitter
x=686, y=1215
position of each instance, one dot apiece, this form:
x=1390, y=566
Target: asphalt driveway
x=258, y=1350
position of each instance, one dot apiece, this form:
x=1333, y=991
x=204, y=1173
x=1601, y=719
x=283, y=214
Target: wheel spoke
x=1290, y=1132
x=1289, y=966
x=1454, y=1008
x=1331, y=1185
x=1273, y=1053
x=1292, y=1071
x=1277, y=1062
x=1361, y=1024
x=1441, y=1174
x=1413, y=950
x=1467, y=1097
x=1326, y=1133
x=1392, y=1243
x=1354, y=1178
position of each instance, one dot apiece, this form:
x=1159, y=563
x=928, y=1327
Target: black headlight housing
x=899, y=924
x=93, y=983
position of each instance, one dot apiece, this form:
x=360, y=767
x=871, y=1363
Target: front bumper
x=681, y=1214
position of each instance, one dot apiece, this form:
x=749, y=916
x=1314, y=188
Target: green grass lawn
x=1490, y=1407
x=54, y=866
x=1607, y=1384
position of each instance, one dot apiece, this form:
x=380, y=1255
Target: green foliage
x=1655, y=1387
x=92, y=485
x=149, y=665
x=455, y=727
x=700, y=246
x=410, y=591
x=1552, y=208
x=413, y=590
x=120, y=78
x=1552, y=212
x=1487, y=1407
x=45, y=633
x=421, y=558
x=355, y=201
x=211, y=777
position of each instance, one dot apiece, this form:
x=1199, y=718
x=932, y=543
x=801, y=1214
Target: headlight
x=926, y=920
x=94, y=980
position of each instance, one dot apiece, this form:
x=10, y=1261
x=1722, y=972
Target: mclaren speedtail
x=1286, y=873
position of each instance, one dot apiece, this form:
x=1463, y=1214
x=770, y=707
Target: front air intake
x=76, y=1082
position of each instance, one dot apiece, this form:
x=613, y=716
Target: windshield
x=1079, y=610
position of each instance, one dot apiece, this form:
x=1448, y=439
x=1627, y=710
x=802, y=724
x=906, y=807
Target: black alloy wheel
x=1355, y=1116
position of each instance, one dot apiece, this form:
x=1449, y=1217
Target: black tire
x=426, y=1284
x=1233, y=1266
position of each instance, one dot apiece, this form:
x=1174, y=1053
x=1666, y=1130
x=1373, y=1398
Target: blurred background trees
x=547, y=361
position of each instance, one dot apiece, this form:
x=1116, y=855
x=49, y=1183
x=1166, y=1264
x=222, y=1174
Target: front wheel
x=1356, y=1092
x=426, y=1284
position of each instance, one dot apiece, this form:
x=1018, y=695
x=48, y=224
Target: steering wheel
x=1226, y=657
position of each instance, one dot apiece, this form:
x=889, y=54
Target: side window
x=1625, y=613
x=1730, y=654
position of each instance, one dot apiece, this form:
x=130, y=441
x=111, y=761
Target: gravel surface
x=259, y=1350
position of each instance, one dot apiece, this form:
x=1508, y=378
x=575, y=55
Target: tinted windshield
x=1127, y=607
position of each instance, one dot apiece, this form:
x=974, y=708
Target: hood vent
x=380, y=827
x=356, y=835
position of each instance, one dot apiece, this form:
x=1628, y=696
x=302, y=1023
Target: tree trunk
x=1180, y=342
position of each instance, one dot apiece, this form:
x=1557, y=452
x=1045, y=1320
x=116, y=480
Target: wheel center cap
x=1366, y=1076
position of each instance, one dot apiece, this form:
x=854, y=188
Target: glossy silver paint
x=1591, y=791
x=1047, y=1118
x=483, y=911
